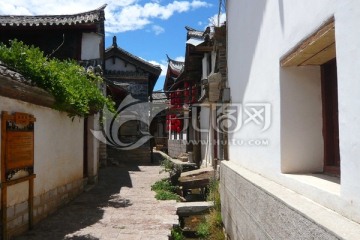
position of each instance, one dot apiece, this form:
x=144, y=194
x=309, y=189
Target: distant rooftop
x=92, y=16
x=114, y=47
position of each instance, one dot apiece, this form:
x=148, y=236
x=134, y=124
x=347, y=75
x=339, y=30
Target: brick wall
x=44, y=205
x=176, y=147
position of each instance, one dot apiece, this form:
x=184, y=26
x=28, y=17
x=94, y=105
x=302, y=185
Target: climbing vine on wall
x=75, y=90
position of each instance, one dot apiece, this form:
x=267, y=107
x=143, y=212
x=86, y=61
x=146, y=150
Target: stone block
x=25, y=218
x=15, y=222
x=37, y=201
x=193, y=208
x=21, y=208
x=69, y=186
x=40, y=210
x=45, y=197
x=10, y=212
x=53, y=193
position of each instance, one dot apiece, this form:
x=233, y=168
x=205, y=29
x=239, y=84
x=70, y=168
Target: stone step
x=185, y=209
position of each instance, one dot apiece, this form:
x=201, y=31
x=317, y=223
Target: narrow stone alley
x=121, y=206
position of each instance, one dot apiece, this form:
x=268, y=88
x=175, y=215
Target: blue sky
x=149, y=29
x=162, y=37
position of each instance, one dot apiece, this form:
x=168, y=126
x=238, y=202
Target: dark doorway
x=330, y=117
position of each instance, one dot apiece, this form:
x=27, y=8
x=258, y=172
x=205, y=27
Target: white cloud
x=157, y=29
x=180, y=59
x=121, y=15
x=213, y=21
x=164, y=64
x=136, y=16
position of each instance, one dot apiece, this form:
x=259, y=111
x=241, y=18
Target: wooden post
x=8, y=163
x=31, y=202
x=3, y=185
x=4, y=210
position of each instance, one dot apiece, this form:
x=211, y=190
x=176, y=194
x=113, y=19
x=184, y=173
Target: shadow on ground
x=87, y=209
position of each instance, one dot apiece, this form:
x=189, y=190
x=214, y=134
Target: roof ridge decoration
x=175, y=66
x=174, y=61
x=193, y=33
x=91, y=16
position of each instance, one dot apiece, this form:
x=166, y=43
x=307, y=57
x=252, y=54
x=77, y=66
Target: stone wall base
x=44, y=205
x=254, y=207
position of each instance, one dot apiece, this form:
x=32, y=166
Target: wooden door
x=330, y=118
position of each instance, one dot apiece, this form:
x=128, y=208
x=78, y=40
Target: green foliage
x=176, y=234
x=203, y=230
x=212, y=227
x=170, y=167
x=214, y=195
x=165, y=190
x=166, y=195
x=74, y=89
x=164, y=185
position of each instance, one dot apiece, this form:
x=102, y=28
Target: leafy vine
x=75, y=90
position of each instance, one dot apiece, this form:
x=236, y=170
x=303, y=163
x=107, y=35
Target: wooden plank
x=19, y=180
x=204, y=49
x=322, y=57
x=19, y=150
x=320, y=40
x=4, y=116
x=31, y=201
x=4, y=211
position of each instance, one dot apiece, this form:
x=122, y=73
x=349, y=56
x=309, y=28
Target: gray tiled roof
x=191, y=32
x=7, y=72
x=53, y=20
x=124, y=52
x=176, y=66
x=159, y=97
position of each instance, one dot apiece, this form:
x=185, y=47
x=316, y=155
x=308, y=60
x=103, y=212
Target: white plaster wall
x=347, y=33
x=302, y=144
x=119, y=65
x=90, y=46
x=58, y=154
x=259, y=34
x=93, y=147
x=204, y=135
x=253, y=75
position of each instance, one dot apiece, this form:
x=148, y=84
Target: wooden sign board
x=19, y=150
x=17, y=144
x=17, y=154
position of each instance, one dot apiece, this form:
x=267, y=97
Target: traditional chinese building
x=193, y=87
x=65, y=152
x=129, y=75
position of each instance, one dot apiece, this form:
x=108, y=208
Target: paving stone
x=121, y=206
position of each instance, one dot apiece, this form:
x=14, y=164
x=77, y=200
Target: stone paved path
x=121, y=206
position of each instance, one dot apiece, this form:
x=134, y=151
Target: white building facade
x=293, y=169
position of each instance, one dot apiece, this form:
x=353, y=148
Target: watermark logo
x=230, y=118
x=259, y=114
x=226, y=118
x=130, y=109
